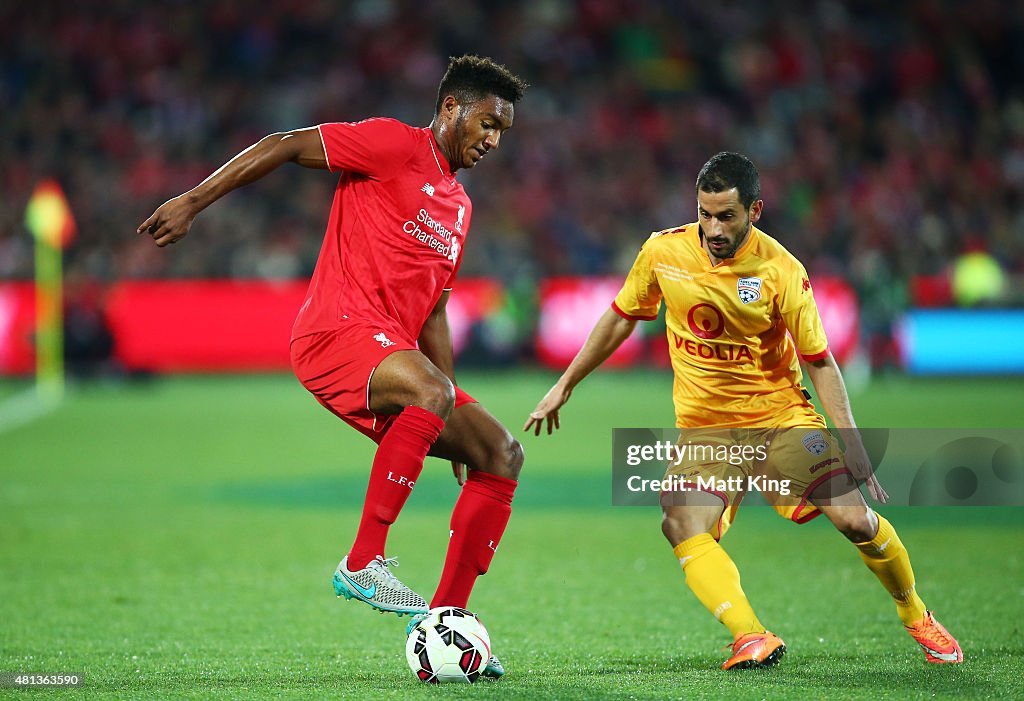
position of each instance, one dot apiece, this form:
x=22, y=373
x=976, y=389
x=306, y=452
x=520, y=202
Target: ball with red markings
x=449, y=645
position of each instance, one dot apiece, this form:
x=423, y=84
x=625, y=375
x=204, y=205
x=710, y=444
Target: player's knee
x=679, y=525
x=857, y=526
x=504, y=458
x=437, y=396
x=510, y=457
x=515, y=459
x=670, y=529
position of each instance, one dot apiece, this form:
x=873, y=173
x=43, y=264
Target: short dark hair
x=473, y=78
x=727, y=170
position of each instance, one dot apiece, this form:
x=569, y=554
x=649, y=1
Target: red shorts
x=336, y=367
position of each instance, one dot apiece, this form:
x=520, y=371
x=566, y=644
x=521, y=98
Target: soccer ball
x=449, y=645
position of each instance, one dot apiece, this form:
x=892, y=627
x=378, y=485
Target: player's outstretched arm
x=172, y=220
x=610, y=331
x=828, y=383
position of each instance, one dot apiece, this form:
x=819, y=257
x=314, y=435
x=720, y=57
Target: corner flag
x=48, y=217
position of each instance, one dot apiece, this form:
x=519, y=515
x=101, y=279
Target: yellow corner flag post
x=49, y=218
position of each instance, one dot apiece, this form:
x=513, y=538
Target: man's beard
x=731, y=251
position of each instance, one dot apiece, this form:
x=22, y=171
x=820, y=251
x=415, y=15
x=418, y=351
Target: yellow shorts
x=786, y=465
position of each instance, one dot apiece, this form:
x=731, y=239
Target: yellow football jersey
x=733, y=361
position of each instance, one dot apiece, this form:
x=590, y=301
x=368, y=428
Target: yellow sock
x=713, y=577
x=888, y=559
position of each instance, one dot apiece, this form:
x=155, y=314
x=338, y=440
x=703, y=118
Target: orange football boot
x=939, y=646
x=755, y=650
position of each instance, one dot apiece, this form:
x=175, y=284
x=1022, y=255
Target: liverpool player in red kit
x=371, y=341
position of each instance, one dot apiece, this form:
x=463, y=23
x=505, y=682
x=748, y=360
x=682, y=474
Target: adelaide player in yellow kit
x=740, y=314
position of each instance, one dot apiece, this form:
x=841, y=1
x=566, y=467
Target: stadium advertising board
x=204, y=325
x=568, y=309
x=962, y=342
x=223, y=325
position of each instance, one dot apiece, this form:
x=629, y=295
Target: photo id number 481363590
x=16, y=680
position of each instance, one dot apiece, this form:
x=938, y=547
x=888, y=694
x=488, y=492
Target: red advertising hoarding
x=206, y=325
x=840, y=315
x=214, y=325
x=17, y=325
x=569, y=308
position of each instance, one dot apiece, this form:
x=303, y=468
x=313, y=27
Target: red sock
x=478, y=520
x=396, y=467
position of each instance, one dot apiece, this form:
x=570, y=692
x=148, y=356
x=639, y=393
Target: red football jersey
x=396, y=230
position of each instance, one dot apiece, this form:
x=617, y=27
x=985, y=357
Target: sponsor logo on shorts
x=815, y=443
x=749, y=289
x=823, y=463
x=383, y=340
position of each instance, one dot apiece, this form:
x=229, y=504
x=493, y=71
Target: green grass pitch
x=177, y=539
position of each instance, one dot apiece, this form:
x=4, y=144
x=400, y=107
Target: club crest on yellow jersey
x=749, y=289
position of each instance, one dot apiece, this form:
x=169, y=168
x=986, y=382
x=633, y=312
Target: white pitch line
x=24, y=408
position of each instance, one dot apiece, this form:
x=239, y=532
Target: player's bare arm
x=173, y=219
x=435, y=339
x=435, y=342
x=610, y=331
x=828, y=383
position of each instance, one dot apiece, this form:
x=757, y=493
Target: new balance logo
x=428, y=188
x=725, y=606
x=383, y=340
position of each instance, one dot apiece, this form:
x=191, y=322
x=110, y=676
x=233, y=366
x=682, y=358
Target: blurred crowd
x=889, y=136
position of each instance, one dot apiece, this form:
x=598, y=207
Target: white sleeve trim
x=324, y=145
